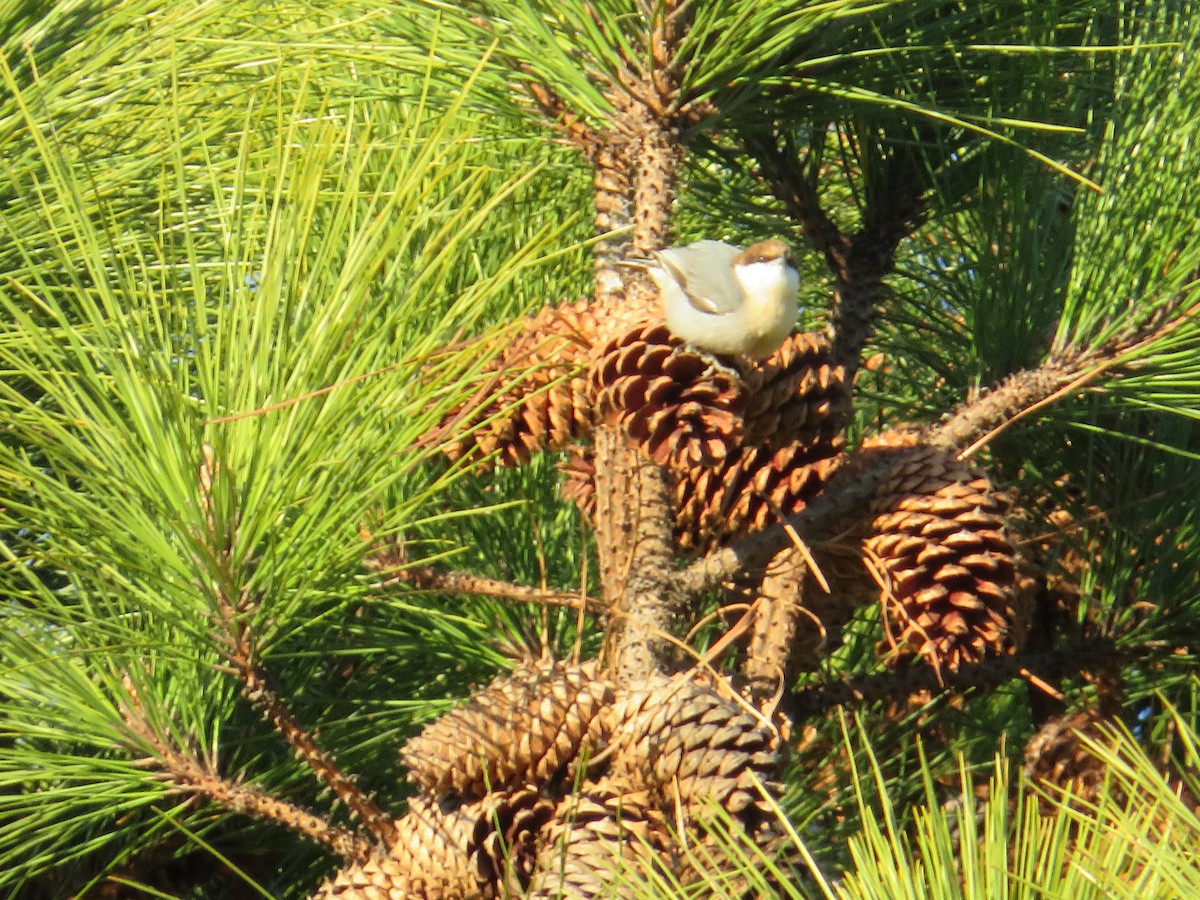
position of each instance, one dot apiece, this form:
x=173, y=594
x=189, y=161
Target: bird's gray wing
x=705, y=272
x=636, y=262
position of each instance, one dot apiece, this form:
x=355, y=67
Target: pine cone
x=950, y=571
x=596, y=833
x=429, y=860
x=680, y=734
x=661, y=398
x=718, y=504
x=433, y=849
x=534, y=394
x=507, y=837
x=1055, y=757
x=798, y=394
x=525, y=727
x=579, y=480
x=740, y=495
x=376, y=879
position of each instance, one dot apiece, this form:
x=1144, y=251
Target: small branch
x=577, y=132
x=845, y=497
x=233, y=630
x=893, y=208
x=773, y=643
x=1036, y=389
x=1019, y=395
x=852, y=485
x=859, y=262
x=779, y=172
x=186, y=773
x=257, y=689
x=672, y=23
x=453, y=582
x=1071, y=660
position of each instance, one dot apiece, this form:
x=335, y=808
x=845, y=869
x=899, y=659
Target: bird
x=725, y=300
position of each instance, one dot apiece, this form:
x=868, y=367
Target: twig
x=233, y=629
x=816, y=699
x=240, y=652
x=777, y=170
x=852, y=485
x=577, y=132
x=1022, y=391
x=1081, y=372
x=845, y=496
x=453, y=582
x=891, y=212
x=186, y=773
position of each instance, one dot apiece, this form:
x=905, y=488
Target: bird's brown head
x=766, y=251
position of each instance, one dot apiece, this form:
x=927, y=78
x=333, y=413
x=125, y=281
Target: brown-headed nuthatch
x=726, y=300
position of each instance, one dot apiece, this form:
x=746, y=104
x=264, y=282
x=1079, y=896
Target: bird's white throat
x=769, y=289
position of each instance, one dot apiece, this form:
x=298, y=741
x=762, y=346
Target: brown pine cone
x=433, y=847
x=579, y=480
x=664, y=400
x=742, y=494
x=507, y=837
x=798, y=394
x=604, y=829
x=429, y=860
x=683, y=739
x=950, y=572
x=376, y=879
x=525, y=727
x=1056, y=758
x=534, y=393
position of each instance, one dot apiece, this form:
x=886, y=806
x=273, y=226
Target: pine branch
x=454, y=582
x=779, y=172
x=635, y=186
x=232, y=620
x=893, y=208
x=1076, y=659
x=852, y=485
x=186, y=773
x=576, y=132
x=635, y=157
x=1031, y=391
x=775, y=646
x=633, y=532
x=1019, y=395
x=389, y=557
x=861, y=261
x=256, y=687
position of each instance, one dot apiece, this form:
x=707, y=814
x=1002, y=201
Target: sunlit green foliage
x=235, y=239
